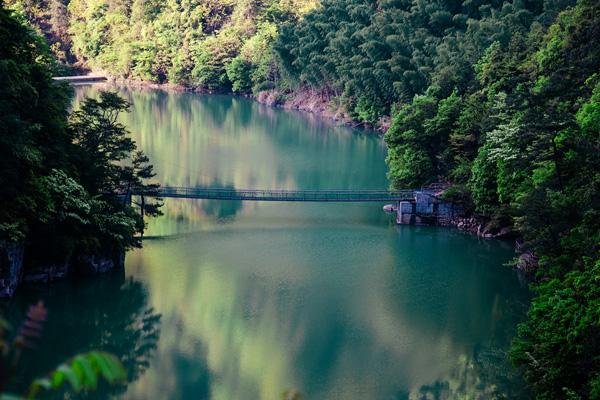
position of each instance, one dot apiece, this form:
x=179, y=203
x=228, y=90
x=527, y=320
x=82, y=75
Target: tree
x=63, y=180
x=33, y=137
x=136, y=179
x=102, y=142
x=558, y=343
x=111, y=167
x=239, y=73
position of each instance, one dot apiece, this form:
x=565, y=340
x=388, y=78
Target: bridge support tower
x=405, y=212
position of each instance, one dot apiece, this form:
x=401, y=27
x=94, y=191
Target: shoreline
x=318, y=104
x=303, y=100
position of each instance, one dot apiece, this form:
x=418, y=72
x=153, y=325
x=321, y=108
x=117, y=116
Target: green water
x=245, y=300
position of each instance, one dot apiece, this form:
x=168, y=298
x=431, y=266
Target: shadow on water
x=476, y=301
x=110, y=313
x=221, y=210
x=330, y=300
x=485, y=376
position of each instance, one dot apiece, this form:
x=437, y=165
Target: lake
x=261, y=300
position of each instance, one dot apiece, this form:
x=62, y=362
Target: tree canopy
x=498, y=98
x=62, y=174
x=215, y=44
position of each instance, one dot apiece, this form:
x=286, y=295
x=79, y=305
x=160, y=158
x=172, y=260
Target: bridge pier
x=425, y=208
x=405, y=212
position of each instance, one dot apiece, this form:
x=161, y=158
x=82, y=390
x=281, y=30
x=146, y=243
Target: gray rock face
x=527, y=262
x=11, y=267
x=12, y=271
x=49, y=273
x=99, y=263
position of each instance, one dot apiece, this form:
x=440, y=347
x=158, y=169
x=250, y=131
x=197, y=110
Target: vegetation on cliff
x=216, y=44
x=60, y=172
x=520, y=143
x=499, y=98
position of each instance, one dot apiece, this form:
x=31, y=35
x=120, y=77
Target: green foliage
x=109, y=163
x=366, y=111
x=101, y=141
x=379, y=53
x=459, y=195
x=33, y=137
x=50, y=18
x=501, y=98
x=122, y=324
x=411, y=167
x=211, y=57
x=559, y=343
x=82, y=372
x=189, y=43
x=61, y=176
x=526, y=144
x=418, y=140
x=239, y=72
x=520, y=134
x=483, y=182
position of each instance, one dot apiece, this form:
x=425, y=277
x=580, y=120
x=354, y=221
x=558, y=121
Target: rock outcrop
x=11, y=267
x=13, y=272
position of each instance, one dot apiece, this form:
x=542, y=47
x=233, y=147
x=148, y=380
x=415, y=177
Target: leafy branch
x=80, y=373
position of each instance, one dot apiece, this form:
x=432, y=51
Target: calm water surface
x=248, y=300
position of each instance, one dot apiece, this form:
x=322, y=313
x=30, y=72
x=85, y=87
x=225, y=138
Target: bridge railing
x=282, y=195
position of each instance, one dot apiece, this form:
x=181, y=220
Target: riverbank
x=320, y=104
x=306, y=100
x=525, y=261
x=17, y=268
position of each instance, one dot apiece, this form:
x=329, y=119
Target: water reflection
x=194, y=140
x=221, y=210
x=484, y=376
x=111, y=314
x=331, y=300
x=259, y=313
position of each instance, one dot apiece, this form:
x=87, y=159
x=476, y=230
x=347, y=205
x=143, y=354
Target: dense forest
x=61, y=171
x=498, y=99
x=216, y=44
x=502, y=101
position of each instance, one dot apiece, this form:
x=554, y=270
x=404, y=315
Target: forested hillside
x=498, y=99
x=59, y=171
x=216, y=44
x=376, y=54
x=502, y=101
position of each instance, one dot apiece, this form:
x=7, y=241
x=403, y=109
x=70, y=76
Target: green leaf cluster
x=61, y=174
x=378, y=53
x=215, y=44
x=82, y=372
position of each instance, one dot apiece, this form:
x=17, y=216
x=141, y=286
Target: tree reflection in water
x=219, y=209
x=486, y=376
x=108, y=313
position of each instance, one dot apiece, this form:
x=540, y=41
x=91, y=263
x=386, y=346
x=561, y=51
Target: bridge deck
x=284, y=195
x=78, y=79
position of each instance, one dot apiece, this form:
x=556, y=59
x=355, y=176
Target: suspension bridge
x=347, y=196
